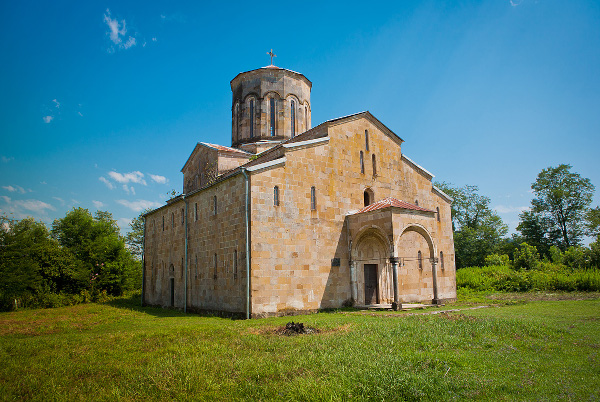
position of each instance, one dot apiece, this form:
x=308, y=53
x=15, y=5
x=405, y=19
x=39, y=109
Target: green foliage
x=503, y=278
x=135, y=237
x=526, y=257
x=478, y=230
x=81, y=254
x=561, y=201
x=556, y=256
x=577, y=257
x=497, y=259
x=593, y=223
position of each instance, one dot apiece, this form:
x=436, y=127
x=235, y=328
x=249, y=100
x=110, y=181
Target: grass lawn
x=526, y=347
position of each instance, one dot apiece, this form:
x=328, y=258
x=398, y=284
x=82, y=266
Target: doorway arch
x=370, y=275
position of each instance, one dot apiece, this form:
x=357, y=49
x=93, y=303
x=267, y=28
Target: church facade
x=292, y=218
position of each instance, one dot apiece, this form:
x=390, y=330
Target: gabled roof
x=223, y=148
x=391, y=202
x=218, y=148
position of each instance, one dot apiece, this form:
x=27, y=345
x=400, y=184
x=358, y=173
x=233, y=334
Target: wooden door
x=371, y=296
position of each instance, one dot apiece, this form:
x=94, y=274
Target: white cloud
x=117, y=31
x=108, y=183
x=12, y=189
x=79, y=113
x=56, y=103
x=98, y=204
x=6, y=159
x=126, y=188
x=515, y=3
x=43, y=182
x=23, y=208
x=158, y=179
x=139, y=205
x=48, y=119
x=74, y=201
x=502, y=209
x=132, y=177
x=154, y=39
x=62, y=202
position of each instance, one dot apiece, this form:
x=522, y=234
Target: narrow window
x=251, y=118
x=438, y=213
x=181, y=267
x=293, y=117
x=163, y=223
x=172, y=220
x=305, y=118
x=272, y=103
x=442, y=259
x=374, y=165
x=235, y=121
x=182, y=215
x=215, y=261
x=419, y=258
x=366, y=140
x=195, y=211
x=214, y=205
x=196, y=266
x=367, y=198
x=417, y=203
x=276, y=196
x=235, y=268
x=362, y=162
x=313, y=198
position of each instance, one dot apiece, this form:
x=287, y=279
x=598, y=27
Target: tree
x=534, y=230
x=135, y=237
x=97, y=243
x=478, y=230
x=561, y=200
x=593, y=223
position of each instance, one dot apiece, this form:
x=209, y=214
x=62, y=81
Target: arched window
x=369, y=197
x=293, y=118
x=313, y=198
x=374, y=165
x=305, y=118
x=442, y=259
x=362, y=162
x=195, y=211
x=172, y=220
x=215, y=261
x=163, y=223
x=272, y=112
x=276, y=196
x=367, y=140
x=438, y=213
x=214, y=205
x=420, y=259
x=182, y=216
x=251, y=118
x=236, y=125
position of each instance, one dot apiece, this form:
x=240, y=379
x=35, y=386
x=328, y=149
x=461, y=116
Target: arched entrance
x=418, y=266
x=371, y=271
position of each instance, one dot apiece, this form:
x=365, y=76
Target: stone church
x=294, y=218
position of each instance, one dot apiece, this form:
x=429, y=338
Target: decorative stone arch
x=415, y=227
x=369, y=268
x=420, y=229
x=291, y=117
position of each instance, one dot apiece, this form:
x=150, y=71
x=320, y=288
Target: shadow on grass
x=134, y=302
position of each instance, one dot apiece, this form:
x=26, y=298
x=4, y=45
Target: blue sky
x=102, y=102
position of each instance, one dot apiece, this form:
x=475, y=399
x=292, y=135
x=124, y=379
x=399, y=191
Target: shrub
x=526, y=257
x=577, y=258
x=497, y=259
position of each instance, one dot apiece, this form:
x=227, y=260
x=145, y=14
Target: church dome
x=270, y=104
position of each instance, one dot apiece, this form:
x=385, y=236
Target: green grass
x=524, y=349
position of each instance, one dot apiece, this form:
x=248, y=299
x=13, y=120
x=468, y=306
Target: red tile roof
x=391, y=202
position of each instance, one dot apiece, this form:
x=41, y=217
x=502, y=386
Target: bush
x=526, y=257
x=497, y=259
x=552, y=277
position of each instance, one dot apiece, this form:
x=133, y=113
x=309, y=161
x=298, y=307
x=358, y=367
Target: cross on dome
x=272, y=55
